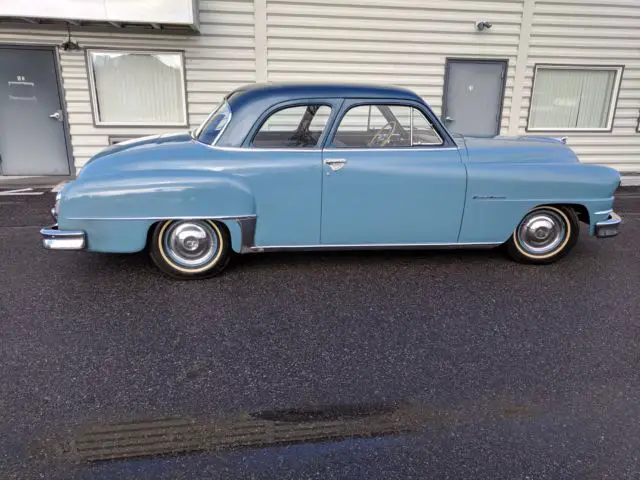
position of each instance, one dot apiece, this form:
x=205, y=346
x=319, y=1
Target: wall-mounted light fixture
x=69, y=44
x=481, y=25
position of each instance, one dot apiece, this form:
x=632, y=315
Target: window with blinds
x=137, y=88
x=573, y=97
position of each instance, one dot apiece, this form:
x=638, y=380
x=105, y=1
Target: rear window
x=212, y=127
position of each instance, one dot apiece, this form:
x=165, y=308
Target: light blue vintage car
x=329, y=166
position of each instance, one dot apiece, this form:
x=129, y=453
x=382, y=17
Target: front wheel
x=190, y=249
x=544, y=235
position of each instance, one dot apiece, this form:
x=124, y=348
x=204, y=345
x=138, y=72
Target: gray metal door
x=32, y=132
x=473, y=95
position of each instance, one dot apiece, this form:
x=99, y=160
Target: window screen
x=138, y=88
x=567, y=98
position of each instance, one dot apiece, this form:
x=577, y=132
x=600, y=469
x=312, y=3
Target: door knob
x=336, y=163
x=56, y=116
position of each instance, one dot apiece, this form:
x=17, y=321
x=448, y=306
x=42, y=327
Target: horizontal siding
x=593, y=32
x=218, y=60
x=399, y=42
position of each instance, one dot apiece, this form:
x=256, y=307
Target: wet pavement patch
x=171, y=436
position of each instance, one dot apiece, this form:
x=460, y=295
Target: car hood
x=521, y=149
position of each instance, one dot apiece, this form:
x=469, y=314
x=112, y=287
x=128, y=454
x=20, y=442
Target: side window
x=384, y=126
x=293, y=127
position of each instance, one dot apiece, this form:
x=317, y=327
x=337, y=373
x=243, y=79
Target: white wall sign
x=177, y=12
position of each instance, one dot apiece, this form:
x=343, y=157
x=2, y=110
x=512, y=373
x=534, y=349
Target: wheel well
x=581, y=211
x=152, y=227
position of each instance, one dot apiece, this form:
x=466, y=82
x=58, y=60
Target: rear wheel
x=544, y=235
x=190, y=249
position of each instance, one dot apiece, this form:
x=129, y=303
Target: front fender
x=500, y=194
x=116, y=211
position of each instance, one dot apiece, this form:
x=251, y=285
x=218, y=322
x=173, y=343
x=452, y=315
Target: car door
x=392, y=176
x=281, y=162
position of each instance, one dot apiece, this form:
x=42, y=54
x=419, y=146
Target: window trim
x=197, y=131
x=388, y=102
x=268, y=113
x=619, y=69
x=93, y=94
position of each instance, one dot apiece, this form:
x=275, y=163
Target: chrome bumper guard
x=609, y=227
x=54, y=239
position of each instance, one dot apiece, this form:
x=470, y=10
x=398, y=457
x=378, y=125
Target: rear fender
x=116, y=211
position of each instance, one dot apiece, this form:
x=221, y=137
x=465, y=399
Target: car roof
x=262, y=91
x=249, y=102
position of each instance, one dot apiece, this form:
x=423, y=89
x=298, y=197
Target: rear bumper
x=609, y=227
x=55, y=239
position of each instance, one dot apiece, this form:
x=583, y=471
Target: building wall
x=403, y=42
x=593, y=32
x=221, y=58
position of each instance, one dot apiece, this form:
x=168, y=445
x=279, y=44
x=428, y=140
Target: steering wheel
x=383, y=136
x=303, y=139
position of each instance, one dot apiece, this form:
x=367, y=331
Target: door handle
x=56, y=116
x=336, y=163
x=448, y=119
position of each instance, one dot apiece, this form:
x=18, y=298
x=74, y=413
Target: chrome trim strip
x=189, y=217
x=604, y=212
x=224, y=127
x=341, y=150
x=375, y=246
x=410, y=126
x=54, y=239
x=394, y=149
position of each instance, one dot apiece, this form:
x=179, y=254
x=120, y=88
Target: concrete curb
x=36, y=182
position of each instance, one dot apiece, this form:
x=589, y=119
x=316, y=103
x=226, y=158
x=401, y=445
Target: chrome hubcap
x=191, y=243
x=541, y=232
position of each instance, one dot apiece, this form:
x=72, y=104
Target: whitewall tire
x=544, y=235
x=190, y=249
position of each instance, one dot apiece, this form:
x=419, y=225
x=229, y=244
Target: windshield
x=211, y=128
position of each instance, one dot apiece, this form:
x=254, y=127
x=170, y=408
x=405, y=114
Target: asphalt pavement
x=348, y=365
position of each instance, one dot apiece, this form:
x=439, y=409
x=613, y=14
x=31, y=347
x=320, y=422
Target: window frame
x=93, y=94
x=619, y=69
x=269, y=112
x=199, y=130
x=445, y=140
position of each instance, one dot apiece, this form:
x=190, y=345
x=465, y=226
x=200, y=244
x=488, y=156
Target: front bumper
x=54, y=239
x=609, y=227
